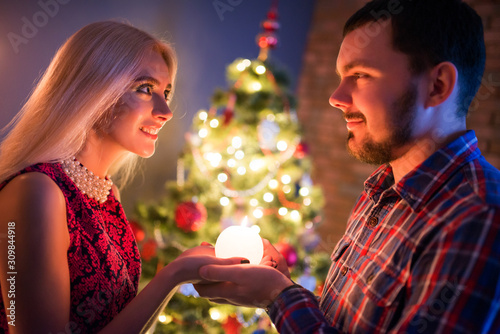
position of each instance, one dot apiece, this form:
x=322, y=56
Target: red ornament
x=228, y=116
x=149, y=249
x=231, y=325
x=301, y=150
x=288, y=252
x=190, y=216
x=137, y=230
x=268, y=38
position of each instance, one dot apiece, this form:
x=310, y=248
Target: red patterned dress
x=103, y=259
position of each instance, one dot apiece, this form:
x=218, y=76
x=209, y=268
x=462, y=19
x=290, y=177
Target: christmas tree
x=244, y=157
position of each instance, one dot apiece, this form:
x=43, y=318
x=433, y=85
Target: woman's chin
x=146, y=155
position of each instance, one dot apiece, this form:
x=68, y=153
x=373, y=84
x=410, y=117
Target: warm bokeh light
x=236, y=142
x=286, y=179
x=203, y=133
x=203, y=115
x=268, y=197
x=256, y=86
x=239, y=154
x=273, y=184
x=241, y=170
x=224, y=201
x=282, y=145
x=222, y=177
x=260, y=69
x=258, y=213
x=304, y=191
x=214, y=123
x=214, y=314
x=257, y=164
x=295, y=215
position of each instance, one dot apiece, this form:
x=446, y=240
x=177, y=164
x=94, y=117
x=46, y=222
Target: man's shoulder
x=467, y=189
x=484, y=179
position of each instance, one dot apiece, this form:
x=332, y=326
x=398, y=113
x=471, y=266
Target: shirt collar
x=419, y=185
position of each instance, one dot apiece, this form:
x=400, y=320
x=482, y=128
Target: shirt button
x=344, y=270
x=370, y=279
x=373, y=221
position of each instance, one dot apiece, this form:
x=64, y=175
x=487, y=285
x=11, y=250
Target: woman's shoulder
x=35, y=191
x=37, y=206
x=32, y=181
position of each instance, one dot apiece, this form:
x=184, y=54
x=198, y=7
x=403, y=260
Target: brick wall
x=340, y=175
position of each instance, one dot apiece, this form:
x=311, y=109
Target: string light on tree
x=203, y=133
x=203, y=115
x=224, y=201
x=215, y=314
x=273, y=184
x=236, y=142
x=260, y=69
x=268, y=197
x=214, y=123
x=304, y=191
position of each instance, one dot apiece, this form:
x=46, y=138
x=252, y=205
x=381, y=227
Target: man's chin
x=369, y=153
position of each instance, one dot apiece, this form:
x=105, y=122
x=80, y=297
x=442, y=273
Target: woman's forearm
x=138, y=316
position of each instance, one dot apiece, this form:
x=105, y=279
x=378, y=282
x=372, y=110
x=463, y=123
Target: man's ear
x=442, y=81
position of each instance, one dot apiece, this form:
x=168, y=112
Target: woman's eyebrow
x=152, y=80
x=147, y=78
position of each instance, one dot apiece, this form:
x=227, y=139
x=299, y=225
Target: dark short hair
x=431, y=32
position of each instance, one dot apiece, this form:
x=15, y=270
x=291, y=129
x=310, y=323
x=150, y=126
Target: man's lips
x=354, y=119
x=353, y=125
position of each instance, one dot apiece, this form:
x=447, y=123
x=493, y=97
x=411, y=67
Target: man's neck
x=420, y=150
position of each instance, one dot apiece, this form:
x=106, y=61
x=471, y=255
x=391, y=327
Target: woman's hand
x=273, y=258
x=204, y=249
x=185, y=268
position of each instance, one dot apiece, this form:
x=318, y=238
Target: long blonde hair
x=86, y=77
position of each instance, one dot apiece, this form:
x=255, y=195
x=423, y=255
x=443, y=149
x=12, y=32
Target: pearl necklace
x=89, y=184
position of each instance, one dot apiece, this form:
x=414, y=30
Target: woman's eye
x=146, y=89
x=167, y=93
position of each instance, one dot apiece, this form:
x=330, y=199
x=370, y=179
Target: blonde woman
x=68, y=259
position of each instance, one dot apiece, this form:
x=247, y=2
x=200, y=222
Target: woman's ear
x=442, y=82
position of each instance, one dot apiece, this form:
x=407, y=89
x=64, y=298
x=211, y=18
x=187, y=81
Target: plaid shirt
x=419, y=256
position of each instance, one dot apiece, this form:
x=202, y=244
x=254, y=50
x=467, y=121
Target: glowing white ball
x=240, y=241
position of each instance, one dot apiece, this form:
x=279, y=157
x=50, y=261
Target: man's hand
x=273, y=258
x=242, y=284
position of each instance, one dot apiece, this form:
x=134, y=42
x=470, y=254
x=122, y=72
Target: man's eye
x=167, y=93
x=359, y=76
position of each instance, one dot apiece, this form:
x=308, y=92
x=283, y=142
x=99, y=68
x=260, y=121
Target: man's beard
x=401, y=119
